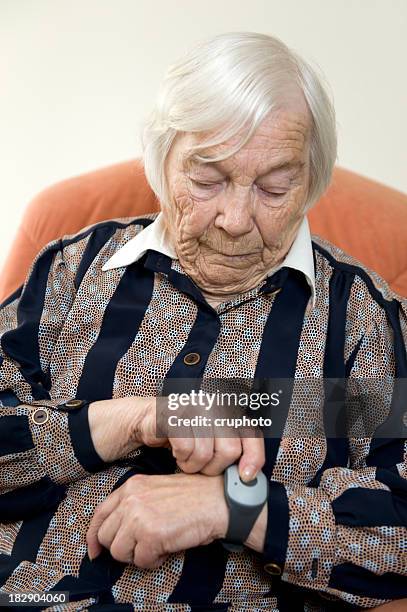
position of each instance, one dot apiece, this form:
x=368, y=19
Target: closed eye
x=201, y=184
x=274, y=194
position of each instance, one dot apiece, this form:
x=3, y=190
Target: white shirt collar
x=155, y=236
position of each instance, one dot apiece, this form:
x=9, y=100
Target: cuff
x=276, y=541
x=300, y=536
x=63, y=442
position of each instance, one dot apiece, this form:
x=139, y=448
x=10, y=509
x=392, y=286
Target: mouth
x=249, y=254
x=238, y=256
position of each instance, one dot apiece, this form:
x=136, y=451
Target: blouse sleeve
x=41, y=447
x=346, y=537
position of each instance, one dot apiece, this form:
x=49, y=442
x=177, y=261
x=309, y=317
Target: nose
x=235, y=213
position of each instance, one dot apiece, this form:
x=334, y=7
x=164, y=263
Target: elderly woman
x=225, y=282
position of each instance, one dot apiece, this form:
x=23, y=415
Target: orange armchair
x=364, y=218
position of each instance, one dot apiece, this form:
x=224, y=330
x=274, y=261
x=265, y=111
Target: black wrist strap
x=241, y=521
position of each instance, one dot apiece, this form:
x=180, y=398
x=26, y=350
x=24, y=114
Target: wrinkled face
x=232, y=221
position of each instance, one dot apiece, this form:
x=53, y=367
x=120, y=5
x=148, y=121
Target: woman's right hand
x=208, y=454
x=132, y=421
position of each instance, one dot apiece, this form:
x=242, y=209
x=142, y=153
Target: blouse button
x=272, y=290
x=40, y=416
x=192, y=358
x=273, y=569
x=74, y=403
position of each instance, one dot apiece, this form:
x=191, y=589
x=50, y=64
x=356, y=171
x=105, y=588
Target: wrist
x=257, y=536
x=221, y=512
x=141, y=421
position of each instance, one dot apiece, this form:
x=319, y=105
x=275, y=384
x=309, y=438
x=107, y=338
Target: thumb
x=252, y=459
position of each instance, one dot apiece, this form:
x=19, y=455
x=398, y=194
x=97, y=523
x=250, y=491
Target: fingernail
x=248, y=472
x=90, y=557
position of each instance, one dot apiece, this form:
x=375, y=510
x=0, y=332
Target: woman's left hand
x=151, y=516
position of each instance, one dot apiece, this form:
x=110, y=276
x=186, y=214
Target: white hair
x=230, y=83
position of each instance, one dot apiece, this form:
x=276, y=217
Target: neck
x=215, y=300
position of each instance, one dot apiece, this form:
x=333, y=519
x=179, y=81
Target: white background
x=78, y=76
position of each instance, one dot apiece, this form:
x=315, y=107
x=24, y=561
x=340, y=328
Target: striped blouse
x=337, y=514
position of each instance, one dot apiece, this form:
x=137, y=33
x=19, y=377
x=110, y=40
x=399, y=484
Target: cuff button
x=273, y=569
x=39, y=416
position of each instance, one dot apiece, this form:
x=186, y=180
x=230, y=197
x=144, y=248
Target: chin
x=217, y=281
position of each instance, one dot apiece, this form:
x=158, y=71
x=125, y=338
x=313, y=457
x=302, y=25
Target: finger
x=201, y=455
x=182, y=448
x=148, y=557
x=102, y=511
x=226, y=452
x=109, y=528
x=123, y=544
x=252, y=459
